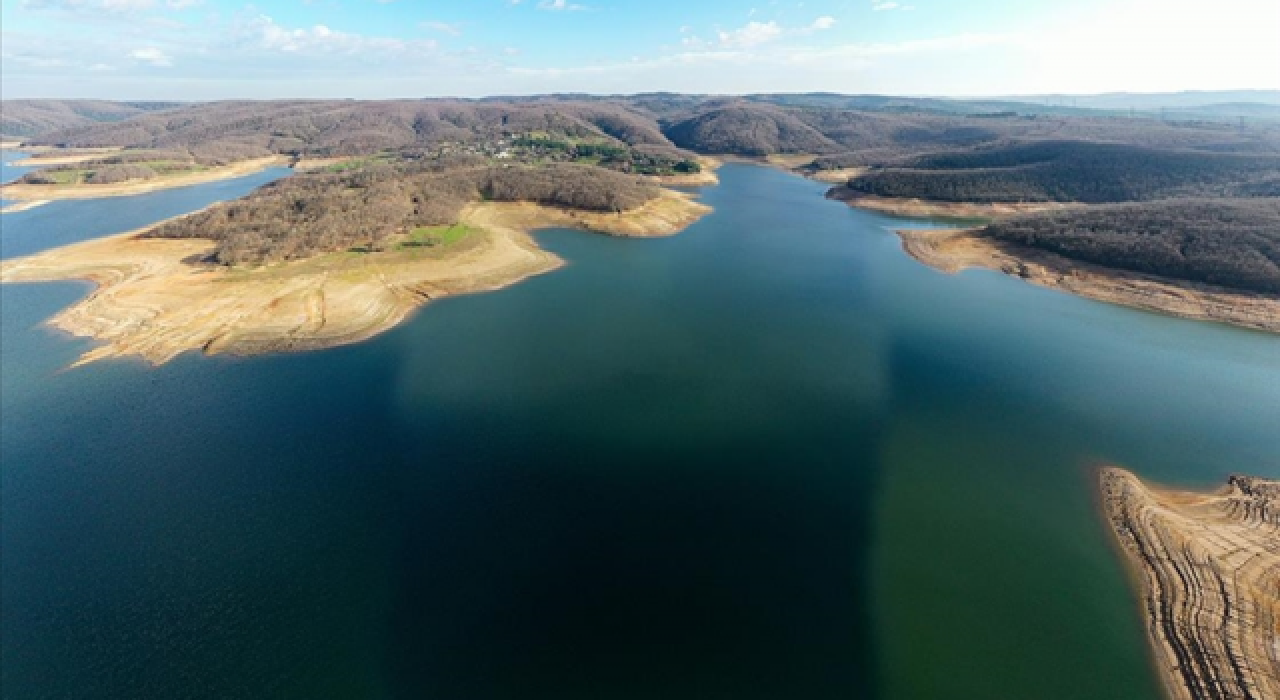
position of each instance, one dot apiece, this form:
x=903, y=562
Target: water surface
x=771, y=457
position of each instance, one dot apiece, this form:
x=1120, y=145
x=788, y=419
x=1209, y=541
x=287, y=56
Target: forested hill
x=1231, y=243
x=1074, y=171
x=24, y=119
x=301, y=216
x=751, y=126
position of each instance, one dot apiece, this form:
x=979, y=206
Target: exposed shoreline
x=45, y=193
x=924, y=208
x=155, y=299
x=955, y=250
x=47, y=155
x=1207, y=567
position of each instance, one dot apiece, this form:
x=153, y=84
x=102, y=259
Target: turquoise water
x=769, y=457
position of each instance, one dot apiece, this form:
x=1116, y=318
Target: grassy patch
x=356, y=164
x=435, y=236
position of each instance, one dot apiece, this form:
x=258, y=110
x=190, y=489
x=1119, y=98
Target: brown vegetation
x=1230, y=243
x=315, y=213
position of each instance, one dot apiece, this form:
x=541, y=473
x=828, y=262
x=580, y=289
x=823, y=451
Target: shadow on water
x=657, y=495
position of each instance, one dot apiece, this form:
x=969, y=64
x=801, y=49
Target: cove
x=769, y=457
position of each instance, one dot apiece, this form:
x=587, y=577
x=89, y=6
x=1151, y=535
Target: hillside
x=741, y=126
x=1230, y=243
x=304, y=215
x=21, y=119
x=1073, y=171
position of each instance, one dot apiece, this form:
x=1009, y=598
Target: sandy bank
x=924, y=208
x=706, y=177
x=156, y=300
x=23, y=205
x=48, y=192
x=1208, y=570
x=952, y=251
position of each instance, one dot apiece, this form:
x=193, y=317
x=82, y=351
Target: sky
x=218, y=49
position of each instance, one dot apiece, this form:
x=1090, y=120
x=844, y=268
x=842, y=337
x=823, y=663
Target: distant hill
x=1158, y=100
x=21, y=119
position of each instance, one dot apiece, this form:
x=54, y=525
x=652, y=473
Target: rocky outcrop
x=1208, y=568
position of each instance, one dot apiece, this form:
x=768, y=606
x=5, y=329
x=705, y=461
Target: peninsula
x=1208, y=571
x=328, y=259
x=1180, y=232
x=88, y=176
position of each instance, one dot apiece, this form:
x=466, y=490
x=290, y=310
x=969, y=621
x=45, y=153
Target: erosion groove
x=1208, y=566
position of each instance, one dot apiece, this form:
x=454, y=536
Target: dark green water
x=771, y=457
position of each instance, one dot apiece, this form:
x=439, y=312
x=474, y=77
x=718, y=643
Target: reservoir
x=769, y=457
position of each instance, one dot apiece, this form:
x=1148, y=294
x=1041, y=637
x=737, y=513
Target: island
x=1207, y=567
x=330, y=258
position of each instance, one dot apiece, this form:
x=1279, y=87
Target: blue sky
x=206, y=49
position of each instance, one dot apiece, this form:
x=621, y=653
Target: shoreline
x=1207, y=572
x=927, y=209
x=45, y=193
x=49, y=155
x=23, y=205
x=153, y=299
x=953, y=250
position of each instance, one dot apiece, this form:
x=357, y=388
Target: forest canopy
x=316, y=213
x=1232, y=243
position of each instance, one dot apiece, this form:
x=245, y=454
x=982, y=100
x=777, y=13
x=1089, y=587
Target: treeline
x=304, y=215
x=1231, y=243
x=1073, y=171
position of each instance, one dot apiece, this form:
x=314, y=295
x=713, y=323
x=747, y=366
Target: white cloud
x=443, y=27
x=822, y=23
x=320, y=39
x=107, y=6
x=753, y=34
x=97, y=67
x=151, y=56
x=558, y=5
x=879, y=6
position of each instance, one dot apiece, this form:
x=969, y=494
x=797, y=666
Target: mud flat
x=1208, y=570
x=955, y=250
x=157, y=298
x=24, y=191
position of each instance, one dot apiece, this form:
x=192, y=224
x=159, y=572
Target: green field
x=436, y=236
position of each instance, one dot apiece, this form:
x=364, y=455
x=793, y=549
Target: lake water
x=770, y=457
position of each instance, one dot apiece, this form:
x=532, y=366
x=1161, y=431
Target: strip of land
x=912, y=207
x=955, y=250
x=44, y=155
x=1208, y=570
x=158, y=297
x=44, y=193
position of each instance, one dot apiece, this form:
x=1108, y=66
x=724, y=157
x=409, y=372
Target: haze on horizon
x=216, y=49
